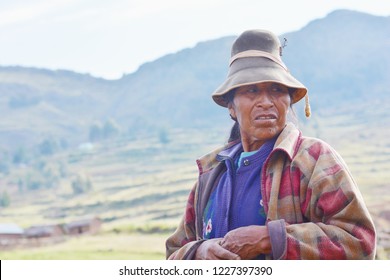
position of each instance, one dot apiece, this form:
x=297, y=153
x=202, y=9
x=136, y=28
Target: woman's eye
x=251, y=90
x=247, y=91
x=278, y=89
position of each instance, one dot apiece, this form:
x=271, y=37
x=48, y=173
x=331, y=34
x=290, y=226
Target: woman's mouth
x=265, y=117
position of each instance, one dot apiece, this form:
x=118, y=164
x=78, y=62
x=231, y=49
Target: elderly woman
x=271, y=193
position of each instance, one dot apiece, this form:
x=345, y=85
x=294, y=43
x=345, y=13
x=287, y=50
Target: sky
x=110, y=38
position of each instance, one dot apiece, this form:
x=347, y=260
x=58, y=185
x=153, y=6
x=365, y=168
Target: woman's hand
x=248, y=242
x=211, y=250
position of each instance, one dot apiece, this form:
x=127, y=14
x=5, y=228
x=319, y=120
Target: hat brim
x=249, y=71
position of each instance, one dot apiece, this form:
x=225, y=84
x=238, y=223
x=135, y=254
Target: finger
x=227, y=255
x=224, y=254
x=227, y=245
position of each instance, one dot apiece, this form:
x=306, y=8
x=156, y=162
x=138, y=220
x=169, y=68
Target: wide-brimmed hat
x=256, y=58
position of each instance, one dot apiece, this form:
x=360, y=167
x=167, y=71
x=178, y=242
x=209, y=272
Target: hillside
x=40, y=103
x=342, y=58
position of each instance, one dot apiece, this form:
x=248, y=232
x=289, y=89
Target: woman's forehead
x=262, y=85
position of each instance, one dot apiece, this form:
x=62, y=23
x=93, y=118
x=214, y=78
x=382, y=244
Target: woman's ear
x=232, y=111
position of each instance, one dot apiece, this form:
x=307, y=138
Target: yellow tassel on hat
x=307, y=106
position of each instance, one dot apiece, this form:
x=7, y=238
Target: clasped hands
x=243, y=243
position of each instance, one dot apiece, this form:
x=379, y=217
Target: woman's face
x=261, y=111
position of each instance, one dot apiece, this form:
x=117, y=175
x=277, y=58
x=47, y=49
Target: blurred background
x=106, y=105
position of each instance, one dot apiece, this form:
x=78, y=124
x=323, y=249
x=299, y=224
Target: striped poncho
x=313, y=206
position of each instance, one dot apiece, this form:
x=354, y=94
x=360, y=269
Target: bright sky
x=109, y=38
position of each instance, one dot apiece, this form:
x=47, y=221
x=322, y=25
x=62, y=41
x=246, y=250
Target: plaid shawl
x=314, y=208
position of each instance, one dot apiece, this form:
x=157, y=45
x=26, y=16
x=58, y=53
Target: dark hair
x=228, y=97
x=234, y=132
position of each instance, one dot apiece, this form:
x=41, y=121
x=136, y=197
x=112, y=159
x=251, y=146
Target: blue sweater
x=236, y=201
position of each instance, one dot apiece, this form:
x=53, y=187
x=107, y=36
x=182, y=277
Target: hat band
x=257, y=53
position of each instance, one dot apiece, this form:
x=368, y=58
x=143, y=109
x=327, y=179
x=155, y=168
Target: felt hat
x=256, y=58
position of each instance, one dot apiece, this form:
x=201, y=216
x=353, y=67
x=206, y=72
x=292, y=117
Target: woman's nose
x=264, y=99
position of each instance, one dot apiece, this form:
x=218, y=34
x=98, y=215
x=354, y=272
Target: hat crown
x=261, y=40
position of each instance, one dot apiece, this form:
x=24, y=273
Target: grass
x=96, y=247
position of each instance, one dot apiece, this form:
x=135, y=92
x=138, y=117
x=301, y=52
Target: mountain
x=342, y=56
x=343, y=59
x=176, y=88
x=39, y=103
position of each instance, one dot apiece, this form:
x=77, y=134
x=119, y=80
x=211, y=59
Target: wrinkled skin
x=261, y=112
x=212, y=250
x=248, y=242
x=243, y=243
